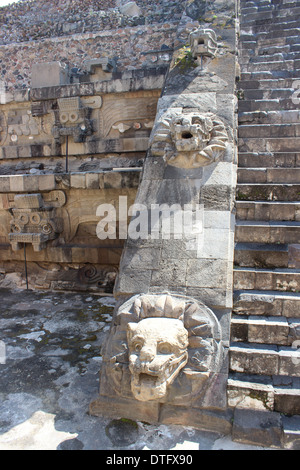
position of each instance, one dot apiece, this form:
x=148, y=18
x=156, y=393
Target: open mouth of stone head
x=149, y=379
x=155, y=379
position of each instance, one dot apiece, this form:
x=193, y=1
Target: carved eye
x=164, y=348
x=137, y=347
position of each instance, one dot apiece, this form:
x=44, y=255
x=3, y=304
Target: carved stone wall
x=55, y=216
x=167, y=353
x=91, y=124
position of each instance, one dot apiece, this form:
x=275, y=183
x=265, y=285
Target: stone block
x=262, y=359
x=31, y=183
x=141, y=258
x=257, y=396
x=249, y=303
x=262, y=428
x=239, y=330
x=244, y=279
x=217, y=243
x=130, y=9
x=10, y=152
x=154, y=168
x=49, y=74
x=92, y=180
x=125, y=408
x=17, y=183
x=272, y=330
x=133, y=282
x=217, y=197
x=4, y=184
x=212, y=297
x=207, y=420
x=291, y=432
x=289, y=362
x=24, y=151
x=218, y=174
x=294, y=256
x=78, y=180
x=113, y=180
x=46, y=182
x=207, y=273
x=291, y=307
x=287, y=401
x=170, y=273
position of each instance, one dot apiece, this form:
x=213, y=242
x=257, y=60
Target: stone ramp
x=265, y=333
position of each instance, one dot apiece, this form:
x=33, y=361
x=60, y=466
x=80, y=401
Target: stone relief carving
x=35, y=220
x=102, y=278
x=20, y=122
x=74, y=120
x=203, y=43
x=163, y=348
x=134, y=112
x=190, y=140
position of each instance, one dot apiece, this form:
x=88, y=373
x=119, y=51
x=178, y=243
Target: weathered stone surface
x=167, y=349
x=49, y=74
x=263, y=428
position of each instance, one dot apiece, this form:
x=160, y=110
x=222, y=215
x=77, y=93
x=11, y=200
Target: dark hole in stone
x=201, y=41
x=186, y=135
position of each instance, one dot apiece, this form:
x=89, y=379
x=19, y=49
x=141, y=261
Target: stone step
x=269, y=144
x=267, y=94
x=275, y=65
x=281, y=41
x=283, y=280
x=274, y=24
x=283, y=33
x=262, y=255
x=248, y=58
x=295, y=47
x=269, y=160
x=267, y=211
x=268, y=175
x=258, y=10
x=252, y=18
x=273, y=84
x=278, y=331
x=256, y=55
x=266, y=105
x=263, y=51
x=279, y=232
x=269, y=130
x=266, y=303
x=268, y=192
x=264, y=359
x=279, y=394
x=268, y=117
x=269, y=74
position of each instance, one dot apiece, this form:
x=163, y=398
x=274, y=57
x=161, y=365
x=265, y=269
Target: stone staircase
x=265, y=332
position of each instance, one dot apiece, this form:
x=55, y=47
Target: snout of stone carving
x=157, y=353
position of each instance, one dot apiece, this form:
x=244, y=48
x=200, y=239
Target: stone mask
x=157, y=353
